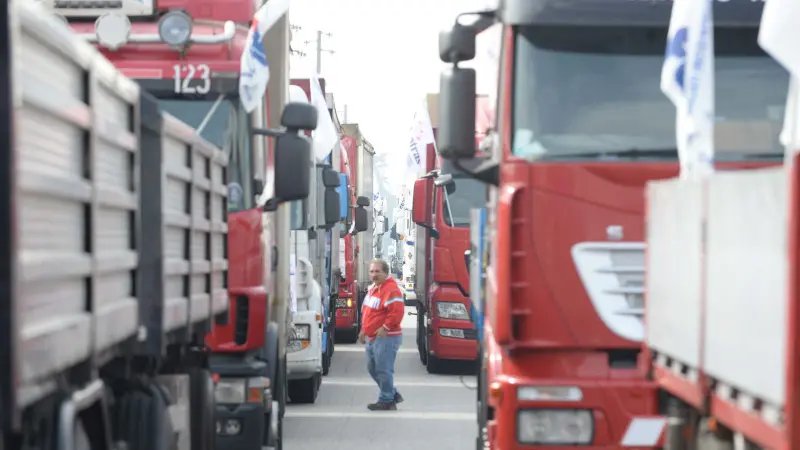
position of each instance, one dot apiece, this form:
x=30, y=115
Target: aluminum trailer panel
x=98, y=181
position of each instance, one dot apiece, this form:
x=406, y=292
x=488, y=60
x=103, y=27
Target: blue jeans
x=381, y=354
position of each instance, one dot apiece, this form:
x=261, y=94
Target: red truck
x=581, y=127
x=441, y=205
x=348, y=305
x=197, y=81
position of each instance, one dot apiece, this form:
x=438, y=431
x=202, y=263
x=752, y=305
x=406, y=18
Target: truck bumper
x=304, y=364
x=455, y=348
x=624, y=414
x=345, y=318
x=253, y=421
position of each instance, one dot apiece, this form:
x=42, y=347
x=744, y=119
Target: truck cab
x=581, y=127
x=348, y=303
x=194, y=71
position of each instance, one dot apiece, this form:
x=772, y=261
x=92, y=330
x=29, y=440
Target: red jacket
x=383, y=307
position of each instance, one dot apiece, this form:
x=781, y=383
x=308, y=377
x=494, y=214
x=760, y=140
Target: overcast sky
x=385, y=60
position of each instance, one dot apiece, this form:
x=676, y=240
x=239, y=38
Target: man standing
x=381, y=314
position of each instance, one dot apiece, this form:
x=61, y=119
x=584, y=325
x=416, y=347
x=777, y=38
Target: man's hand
x=362, y=337
x=381, y=332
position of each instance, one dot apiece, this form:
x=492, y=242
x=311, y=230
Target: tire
x=304, y=391
x=142, y=419
x=482, y=411
x=423, y=351
x=202, y=407
x=349, y=336
x=271, y=352
x=327, y=356
x=434, y=365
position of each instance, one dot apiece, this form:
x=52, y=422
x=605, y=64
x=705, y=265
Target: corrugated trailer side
x=114, y=227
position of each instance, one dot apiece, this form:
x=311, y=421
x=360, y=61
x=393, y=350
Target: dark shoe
x=381, y=406
x=398, y=398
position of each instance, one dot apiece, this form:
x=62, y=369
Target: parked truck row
x=118, y=220
x=166, y=204
x=581, y=157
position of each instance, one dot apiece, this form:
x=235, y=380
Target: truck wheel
x=349, y=336
x=304, y=391
x=709, y=440
x=142, y=419
x=483, y=407
x=434, y=365
x=202, y=407
x=423, y=352
x=271, y=352
x=279, y=437
x=326, y=357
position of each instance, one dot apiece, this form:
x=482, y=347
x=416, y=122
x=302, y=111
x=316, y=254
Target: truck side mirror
x=467, y=258
x=360, y=217
x=292, y=164
x=385, y=224
x=330, y=178
x=457, y=44
x=455, y=138
x=362, y=201
x=292, y=154
x=421, y=213
x=299, y=116
x=332, y=211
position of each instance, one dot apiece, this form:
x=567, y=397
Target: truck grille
x=242, y=319
x=613, y=276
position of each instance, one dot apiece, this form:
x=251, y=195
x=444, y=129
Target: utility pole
x=320, y=50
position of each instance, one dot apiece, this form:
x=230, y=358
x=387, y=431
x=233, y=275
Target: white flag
x=778, y=36
x=687, y=79
x=325, y=136
x=421, y=135
x=254, y=68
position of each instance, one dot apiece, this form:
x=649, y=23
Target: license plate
x=341, y=303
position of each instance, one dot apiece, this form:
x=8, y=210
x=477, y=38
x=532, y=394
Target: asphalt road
x=438, y=412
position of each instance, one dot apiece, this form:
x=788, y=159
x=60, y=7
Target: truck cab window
x=464, y=195
x=584, y=90
x=225, y=124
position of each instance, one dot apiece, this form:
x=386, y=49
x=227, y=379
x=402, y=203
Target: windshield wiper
x=613, y=154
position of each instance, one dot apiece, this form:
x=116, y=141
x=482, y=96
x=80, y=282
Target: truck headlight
x=344, y=303
x=452, y=310
x=175, y=28
x=302, y=332
x=555, y=427
x=230, y=391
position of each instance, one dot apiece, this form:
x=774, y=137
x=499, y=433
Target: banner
x=421, y=134
x=254, y=68
x=778, y=36
x=687, y=79
x=325, y=136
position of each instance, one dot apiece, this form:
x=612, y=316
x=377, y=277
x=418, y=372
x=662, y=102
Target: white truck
x=308, y=355
x=114, y=246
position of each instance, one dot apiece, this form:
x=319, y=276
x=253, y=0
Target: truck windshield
x=225, y=125
x=463, y=195
x=590, y=92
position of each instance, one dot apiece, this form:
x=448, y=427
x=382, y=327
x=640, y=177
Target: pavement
x=438, y=413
